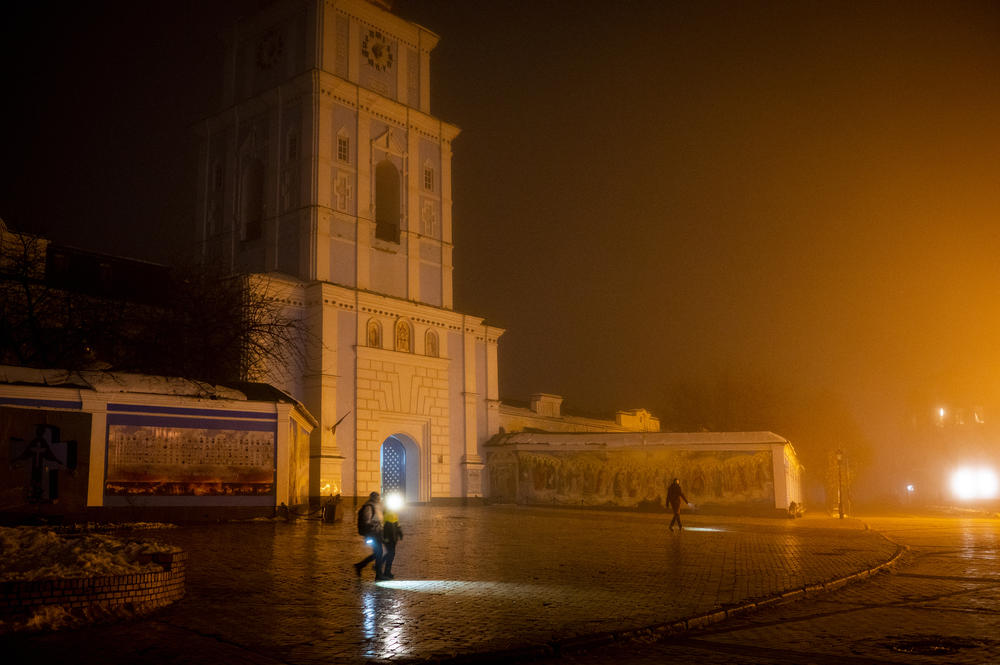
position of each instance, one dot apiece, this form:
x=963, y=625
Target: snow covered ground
x=37, y=553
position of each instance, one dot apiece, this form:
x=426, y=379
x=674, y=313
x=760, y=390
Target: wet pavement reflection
x=484, y=579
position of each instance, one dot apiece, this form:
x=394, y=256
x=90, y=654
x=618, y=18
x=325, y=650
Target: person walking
x=370, y=526
x=391, y=534
x=674, y=497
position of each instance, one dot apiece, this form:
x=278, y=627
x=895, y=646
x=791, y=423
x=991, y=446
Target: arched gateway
x=400, y=464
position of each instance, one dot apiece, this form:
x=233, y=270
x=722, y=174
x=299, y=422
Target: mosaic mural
x=630, y=478
x=178, y=461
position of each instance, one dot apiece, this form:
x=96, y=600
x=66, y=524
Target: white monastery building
x=326, y=172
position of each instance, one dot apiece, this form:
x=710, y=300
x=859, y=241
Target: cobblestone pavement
x=940, y=605
x=469, y=581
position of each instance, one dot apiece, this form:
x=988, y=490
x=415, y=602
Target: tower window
x=387, y=202
x=374, y=334
x=429, y=178
x=431, y=344
x=343, y=149
x=252, y=200
x=293, y=146
x=403, y=336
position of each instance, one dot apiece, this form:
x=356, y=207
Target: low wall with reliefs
x=734, y=471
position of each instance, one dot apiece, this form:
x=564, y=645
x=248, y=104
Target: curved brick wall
x=143, y=591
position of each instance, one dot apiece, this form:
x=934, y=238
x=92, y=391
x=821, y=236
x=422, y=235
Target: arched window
x=403, y=336
x=252, y=199
x=387, y=201
x=431, y=344
x=374, y=334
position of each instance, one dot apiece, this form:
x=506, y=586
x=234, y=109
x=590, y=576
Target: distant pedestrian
x=674, y=497
x=370, y=526
x=391, y=534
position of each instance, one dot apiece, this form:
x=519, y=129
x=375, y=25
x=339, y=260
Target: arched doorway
x=400, y=464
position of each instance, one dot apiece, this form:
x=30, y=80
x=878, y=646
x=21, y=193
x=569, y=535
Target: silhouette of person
x=370, y=526
x=391, y=534
x=674, y=497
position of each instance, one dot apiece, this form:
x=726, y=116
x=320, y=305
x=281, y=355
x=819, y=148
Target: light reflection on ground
x=702, y=528
x=465, y=587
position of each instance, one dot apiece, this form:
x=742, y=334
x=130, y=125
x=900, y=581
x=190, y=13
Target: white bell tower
x=326, y=172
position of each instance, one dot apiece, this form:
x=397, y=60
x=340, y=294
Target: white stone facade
x=327, y=173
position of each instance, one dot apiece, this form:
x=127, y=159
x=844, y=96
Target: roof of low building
x=107, y=381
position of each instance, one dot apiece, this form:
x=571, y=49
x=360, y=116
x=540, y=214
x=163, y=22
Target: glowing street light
x=968, y=484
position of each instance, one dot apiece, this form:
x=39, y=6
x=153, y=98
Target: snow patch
x=31, y=553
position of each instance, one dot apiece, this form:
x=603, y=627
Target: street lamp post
x=840, y=483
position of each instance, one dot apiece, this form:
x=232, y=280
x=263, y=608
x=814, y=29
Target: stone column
x=97, y=406
x=472, y=463
x=366, y=222
x=325, y=458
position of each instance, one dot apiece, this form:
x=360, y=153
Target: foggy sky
x=787, y=212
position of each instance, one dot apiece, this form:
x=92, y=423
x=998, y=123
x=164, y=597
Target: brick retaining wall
x=142, y=591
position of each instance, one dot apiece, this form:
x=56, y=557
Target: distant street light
x=840, y=483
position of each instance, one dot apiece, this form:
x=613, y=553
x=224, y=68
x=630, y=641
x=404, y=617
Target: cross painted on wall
x=48, y=455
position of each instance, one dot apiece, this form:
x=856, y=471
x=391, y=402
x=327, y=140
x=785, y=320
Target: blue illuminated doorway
x=400, y=465
x=393, y=466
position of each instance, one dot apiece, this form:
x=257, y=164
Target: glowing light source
x=909, y=488
x=394, y=501
x=968, y=484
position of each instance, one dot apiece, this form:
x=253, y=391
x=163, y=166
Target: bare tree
x=191, y=321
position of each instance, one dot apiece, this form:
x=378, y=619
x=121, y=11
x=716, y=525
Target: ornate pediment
x=390, y=142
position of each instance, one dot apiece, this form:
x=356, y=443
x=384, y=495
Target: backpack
x=364, y=519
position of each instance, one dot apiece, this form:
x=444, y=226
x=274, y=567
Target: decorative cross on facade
x=47, y=453
x=343, y=190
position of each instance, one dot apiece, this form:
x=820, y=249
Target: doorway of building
x=400, y=462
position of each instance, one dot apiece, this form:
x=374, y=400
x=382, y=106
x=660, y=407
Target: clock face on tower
x=269, y=50
x=376, y=49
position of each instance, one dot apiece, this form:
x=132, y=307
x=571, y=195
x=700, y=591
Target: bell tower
x=325, y=163
x=325, y=172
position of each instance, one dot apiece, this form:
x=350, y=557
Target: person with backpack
x=674, y=497
x=391, y=534
x=370, y=526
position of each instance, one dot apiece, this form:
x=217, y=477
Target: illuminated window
x=343, y=147
x=374, y=334
x=431, y=344
x=402, y=336
x=387, y=201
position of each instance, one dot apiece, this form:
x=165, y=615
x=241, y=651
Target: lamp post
x=840, y=483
